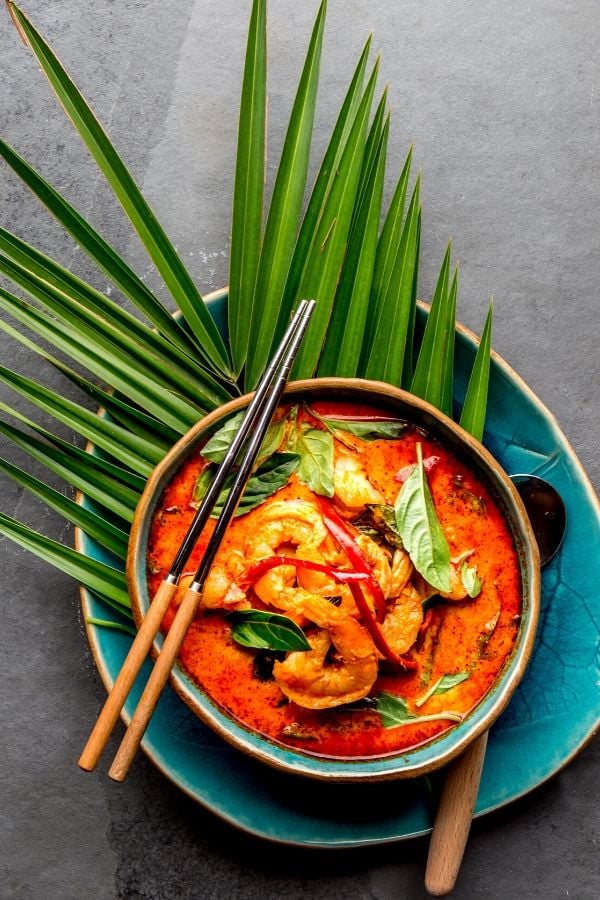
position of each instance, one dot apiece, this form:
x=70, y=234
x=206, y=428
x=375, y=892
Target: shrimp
x=307, y=678
x=220, y=588
x=283, y=523
x=378, y=560
x=402, y=569
x=350, y=483
x=403, y=620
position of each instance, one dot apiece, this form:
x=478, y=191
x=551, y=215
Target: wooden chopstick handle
x=453, y=820
x=154, y=686
x=133, y=663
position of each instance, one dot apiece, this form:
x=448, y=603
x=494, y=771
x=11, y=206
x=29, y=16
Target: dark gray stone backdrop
x=502, y=102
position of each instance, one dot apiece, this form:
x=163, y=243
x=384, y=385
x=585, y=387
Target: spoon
x=547, y=515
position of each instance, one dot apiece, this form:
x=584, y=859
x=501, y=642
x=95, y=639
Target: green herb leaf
x=270, y=477
x=394, y=711
x=443, y=684
x=267, y=631
x=470, y=579
x=384, y=429
x=420, y=529
x=217, y=446
x=315, y=448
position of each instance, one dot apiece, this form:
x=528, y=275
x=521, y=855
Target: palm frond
x=96, y=576
x=324, y=262
x=433, y=367
x=114, y=439
x=472, y=418
x=246, y=221
x=97, y=527
x=341, y=353
x=387, y=344
x=103, y=255
x=85, y=474
x=284, y=209
x=156, y=242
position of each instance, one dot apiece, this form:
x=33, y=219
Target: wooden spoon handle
x=133, y=663
x=453, y=819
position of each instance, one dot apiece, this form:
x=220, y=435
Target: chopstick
x=255, y=422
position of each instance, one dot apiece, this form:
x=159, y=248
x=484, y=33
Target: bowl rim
x=398, y=765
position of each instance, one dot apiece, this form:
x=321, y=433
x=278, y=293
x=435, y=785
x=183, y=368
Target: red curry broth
x=474, y=636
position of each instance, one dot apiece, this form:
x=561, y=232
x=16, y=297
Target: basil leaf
x=267, y=631
x=218, y=445
x=443, y=684
x=421, y=530
x=447, y=682
x=315, y=448
x=270, y=477
x=387, y=429
x=394, y=711
x=470, y=579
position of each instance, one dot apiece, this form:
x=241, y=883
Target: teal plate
x=553, y=713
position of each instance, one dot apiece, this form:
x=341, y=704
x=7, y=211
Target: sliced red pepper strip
x=260, y=568
x=340, y=531
x=375, y=631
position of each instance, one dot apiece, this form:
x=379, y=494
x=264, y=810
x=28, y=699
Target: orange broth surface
x=473, y=636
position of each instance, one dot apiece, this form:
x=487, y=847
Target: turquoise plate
x=553, y=713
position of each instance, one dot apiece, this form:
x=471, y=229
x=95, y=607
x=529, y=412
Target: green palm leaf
x=323, y=183
x=284, y=210
x=157, y=383
x=70, y=297
x=95, y=463
x=114, y=439
x=104, y=256
x=388, y=243
x=341, y=353
x=437, y=347
x=87, y=475
x=387, y=343
x=94, y=575
x=472, y=418
x=246, y=226
x=156, y=242
x=102, y=358
x=108, y=535
x=323, y=265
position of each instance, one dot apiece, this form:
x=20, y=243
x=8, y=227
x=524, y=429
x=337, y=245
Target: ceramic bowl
x=405, y=764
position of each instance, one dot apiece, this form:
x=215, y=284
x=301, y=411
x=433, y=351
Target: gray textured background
x=502, y=103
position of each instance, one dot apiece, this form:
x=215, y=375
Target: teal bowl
x=423, y=758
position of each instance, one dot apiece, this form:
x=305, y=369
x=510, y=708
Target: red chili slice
x=341, y=532
x=260, y=568
x=375, y=631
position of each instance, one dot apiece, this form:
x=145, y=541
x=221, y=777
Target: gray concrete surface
x=502, y=102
